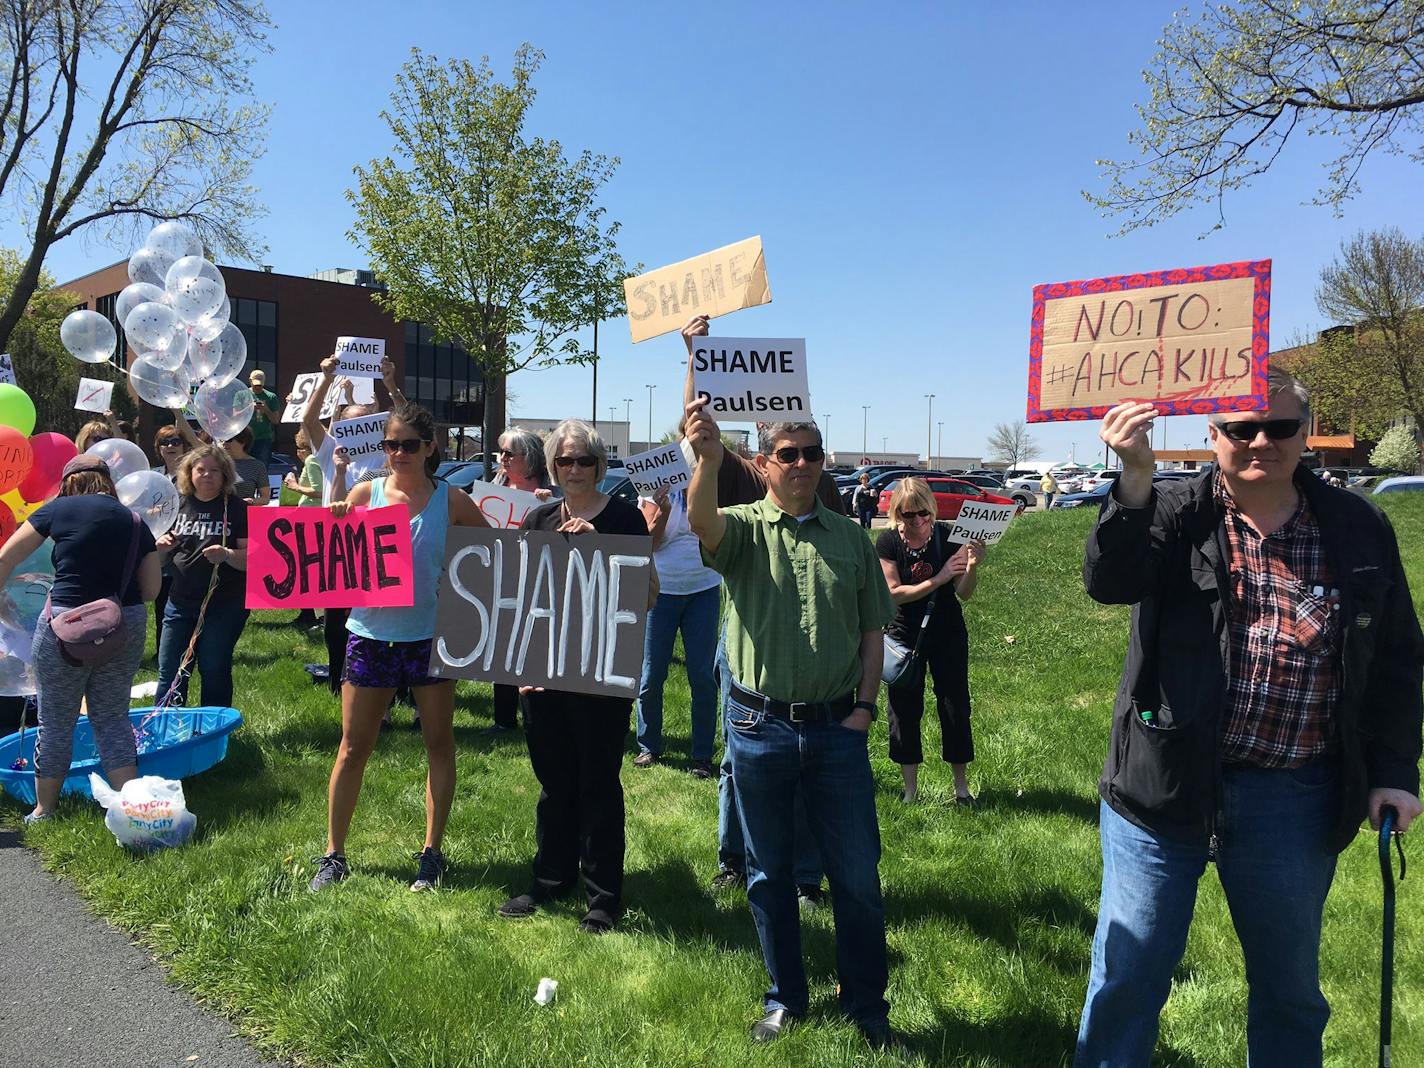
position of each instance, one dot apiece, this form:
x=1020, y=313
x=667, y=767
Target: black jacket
x=1169, y=561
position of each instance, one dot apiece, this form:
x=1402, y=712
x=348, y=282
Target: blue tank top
x=427, y=543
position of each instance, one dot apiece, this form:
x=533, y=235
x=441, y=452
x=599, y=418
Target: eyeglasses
x=921, y=514
x=405, y=445
x=788, y=455
x=501, y=453
x=1246, y=429
x=569, y=461
x=170, y=443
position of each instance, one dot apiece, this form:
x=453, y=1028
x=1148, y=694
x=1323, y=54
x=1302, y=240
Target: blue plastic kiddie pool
x=172, y=744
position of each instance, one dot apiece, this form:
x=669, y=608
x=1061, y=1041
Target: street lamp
x=883, y=447
x=929, y=425
x=940, y=448
x=864, y=422
x=650, y=414
x=826, y=432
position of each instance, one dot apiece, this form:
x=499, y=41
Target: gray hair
x=1280, y=383
x=768, y=434
x=581, y=434
x=524, y=442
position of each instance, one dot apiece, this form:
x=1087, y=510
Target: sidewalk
x=79, y=994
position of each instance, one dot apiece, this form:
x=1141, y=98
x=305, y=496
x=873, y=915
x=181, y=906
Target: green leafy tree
x=493, y=239
x=1397, y=449
x=1231, y=85
x=120, y=112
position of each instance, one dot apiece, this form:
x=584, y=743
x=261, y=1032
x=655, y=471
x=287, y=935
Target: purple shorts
x=388, y=665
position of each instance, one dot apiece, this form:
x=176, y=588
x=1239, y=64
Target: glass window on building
x=105, y=307
x=443, y=378
x=257, y=319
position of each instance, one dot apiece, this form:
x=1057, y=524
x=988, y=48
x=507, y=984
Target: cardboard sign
x=987, y=522
x=727, y=280
x=304, y=388
x=752, y=379
x=504, y=507
x=361, y=438
x=1192, y=341
x=307, y=558
x=663, y=466
x=94, y=395
x=537, y=608
x=361, y=356
x=7, y=369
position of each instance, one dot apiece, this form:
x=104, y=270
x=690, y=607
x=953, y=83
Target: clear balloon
x=88, y=336
x=210, y=327
x=161, y=387
x=122, y=456
x=223, y=411
x=195, y=288
x=174, y=239
x=171, y=358
x=154, y=327
x=217, y=362
x=149, y=265
x=134, y=294
x=21, y=602
x=152, y=497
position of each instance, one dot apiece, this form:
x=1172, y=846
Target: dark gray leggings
x=60, y=687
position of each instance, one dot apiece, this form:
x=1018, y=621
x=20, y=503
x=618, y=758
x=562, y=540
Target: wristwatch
x=869, y=706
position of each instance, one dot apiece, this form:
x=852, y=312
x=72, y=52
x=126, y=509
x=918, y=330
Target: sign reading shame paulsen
x=652, y=470
x=986, y=522
x=538, y=608
x=752, y=379
x=727, y=280
x=361, y=356
x=1192, y=341
x=361, y=438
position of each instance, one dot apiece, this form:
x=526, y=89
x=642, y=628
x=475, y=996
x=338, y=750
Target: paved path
x=78, y=993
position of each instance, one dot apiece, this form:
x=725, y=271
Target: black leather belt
x=795, y=711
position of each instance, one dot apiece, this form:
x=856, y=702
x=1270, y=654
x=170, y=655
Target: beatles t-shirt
x=200, y=524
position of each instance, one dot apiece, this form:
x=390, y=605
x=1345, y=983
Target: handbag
x=902, y=662
x=93, y=633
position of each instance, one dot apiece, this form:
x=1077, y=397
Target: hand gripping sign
x=307, y=558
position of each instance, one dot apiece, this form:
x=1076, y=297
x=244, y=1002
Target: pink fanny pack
x=94, y=633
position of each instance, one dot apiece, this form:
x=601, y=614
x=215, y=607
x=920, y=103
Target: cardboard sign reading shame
x=361, y=356
x=504, y=507
x=727, y=280
x=664, y=466
x=751, y=379
x=361, y=438
x=1191, y=341
x=307, y=558
x=986, y=522
x=538, y=608
x=304, y=388
x=94, y=395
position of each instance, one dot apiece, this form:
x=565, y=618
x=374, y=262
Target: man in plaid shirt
x=1271, y=700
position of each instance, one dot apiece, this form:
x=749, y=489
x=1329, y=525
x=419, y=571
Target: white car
x=1096, y=479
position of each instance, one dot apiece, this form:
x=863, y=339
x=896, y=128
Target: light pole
x=883, y=447
x=864, y=422
x=628, y=421
x=826, y=432
x=940, y=446
x=650, y=414
x=929, y=425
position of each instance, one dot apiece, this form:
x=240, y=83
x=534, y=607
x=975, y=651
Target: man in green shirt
x=265, y=414
x=807, y=604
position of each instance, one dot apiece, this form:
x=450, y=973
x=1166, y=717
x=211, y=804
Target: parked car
x=950, y=495
x=617, y=484
x=1095, y=496
x=880, y=481
x=278, y=467
x=1096, y=479
x=985, y=480
x=1402, y=484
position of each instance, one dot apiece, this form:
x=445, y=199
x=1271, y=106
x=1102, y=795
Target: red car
x=950, y=494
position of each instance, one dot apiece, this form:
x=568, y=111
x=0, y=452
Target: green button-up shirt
x=800, y=595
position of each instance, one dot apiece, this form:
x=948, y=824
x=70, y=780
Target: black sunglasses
x=1247, y=429
x=504, y=452
x=921, y=514
x=569, y=461
x=790, y=454
x=405, y=445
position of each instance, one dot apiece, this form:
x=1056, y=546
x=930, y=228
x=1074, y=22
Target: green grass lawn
x=990, y=914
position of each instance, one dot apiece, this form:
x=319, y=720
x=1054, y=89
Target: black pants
x=946, y=654
x=576, y=747
x=336, y=646
x=506, y=706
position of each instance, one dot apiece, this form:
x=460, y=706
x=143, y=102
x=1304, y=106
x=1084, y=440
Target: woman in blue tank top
x=390, y=647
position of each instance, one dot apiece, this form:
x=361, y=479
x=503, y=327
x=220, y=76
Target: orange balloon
x=16, y=458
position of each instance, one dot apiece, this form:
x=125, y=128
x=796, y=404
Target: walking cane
x=1388, y=816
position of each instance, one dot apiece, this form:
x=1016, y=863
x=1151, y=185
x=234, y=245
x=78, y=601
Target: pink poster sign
x=307, y=558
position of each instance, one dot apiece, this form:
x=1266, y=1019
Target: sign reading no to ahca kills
x=752, y=379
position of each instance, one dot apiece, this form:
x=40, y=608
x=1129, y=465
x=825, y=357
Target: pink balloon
x=51, y=452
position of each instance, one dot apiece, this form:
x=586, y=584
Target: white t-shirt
x=679, y=557
x=326, y=456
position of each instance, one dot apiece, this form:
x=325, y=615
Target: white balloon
x=122, y=456
x=217, y=362
x=210, y=327
x=149, y=265
x=134, y=294
x=174, y=239
x=155, y=327
x=195, y=288
x=171, y=358
x=152, y=497
x=161, y=388
x=88, y=336
x=223, y=411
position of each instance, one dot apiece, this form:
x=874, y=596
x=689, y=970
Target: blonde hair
x=206, y=452
x=912, y=495
x=90, y=432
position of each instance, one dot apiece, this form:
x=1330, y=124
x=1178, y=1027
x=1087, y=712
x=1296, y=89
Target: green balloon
x=16, y=409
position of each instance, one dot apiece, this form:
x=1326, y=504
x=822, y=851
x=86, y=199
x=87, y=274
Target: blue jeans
x=731, y=843
x=222, y=626
x=829, y=765
x=1275, y=868
x=262, y=450
x=695, y=614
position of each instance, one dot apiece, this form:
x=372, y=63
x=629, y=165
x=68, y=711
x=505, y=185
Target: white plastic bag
x=148, y=813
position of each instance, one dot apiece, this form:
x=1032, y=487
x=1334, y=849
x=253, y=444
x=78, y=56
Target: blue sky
x=913, y=170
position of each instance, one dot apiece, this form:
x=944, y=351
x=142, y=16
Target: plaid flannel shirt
x=1285, y=641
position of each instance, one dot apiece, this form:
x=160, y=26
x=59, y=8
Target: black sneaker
x=810, y=898
x=701, y=769
x=331, y=868
x=432, y=869
x=727, y=879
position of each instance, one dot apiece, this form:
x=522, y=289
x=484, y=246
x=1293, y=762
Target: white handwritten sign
x=361, y=438
x=751, y=379
x=7, y=369
x=361, y=356
x=986, y=522
x=537, y=608
x=663, y=466
x=304, y=388
x=94, y=395
x=503, y=506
